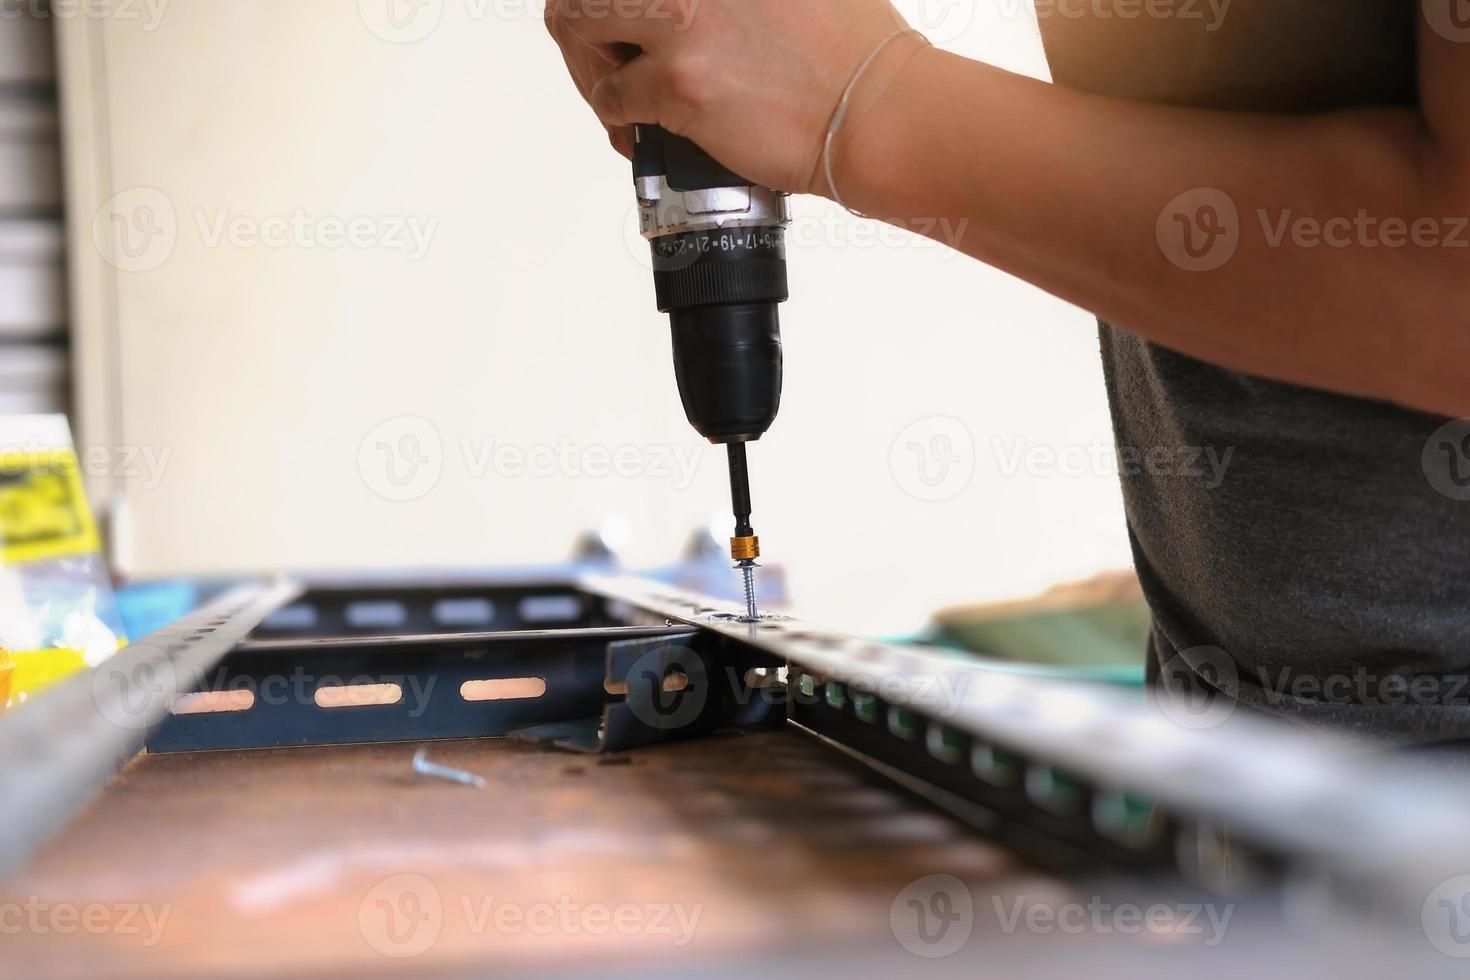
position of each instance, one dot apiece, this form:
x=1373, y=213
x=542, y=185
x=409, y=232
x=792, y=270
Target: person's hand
x=753, y=82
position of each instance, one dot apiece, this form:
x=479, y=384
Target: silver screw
x=747, y=572
x=424, y=767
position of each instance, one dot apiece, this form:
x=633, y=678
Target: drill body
x=719, y=270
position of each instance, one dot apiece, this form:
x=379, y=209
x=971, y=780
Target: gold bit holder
x=745, y=549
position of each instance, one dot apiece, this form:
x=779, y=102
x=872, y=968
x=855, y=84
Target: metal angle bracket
x=461, y=660
x=303, y=691
x=673, y=688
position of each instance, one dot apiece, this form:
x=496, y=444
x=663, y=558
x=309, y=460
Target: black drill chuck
x=728, y=362
x=719, y=268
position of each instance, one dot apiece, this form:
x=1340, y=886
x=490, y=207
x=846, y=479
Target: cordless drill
x=719, y=271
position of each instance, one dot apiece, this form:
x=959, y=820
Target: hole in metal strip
x=357, y=695
x=994, y=766
x=674, y=682
x=300, y=616
x=376, y=615
x=503, y=689
x=550, y=608
x=761, y=677
x=212, y=702
x=943, y=744
x=464, y=612
x=902, y=723
x=1053, y=790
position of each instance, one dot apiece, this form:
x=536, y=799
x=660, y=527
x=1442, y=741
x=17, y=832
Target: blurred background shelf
x=35, y=369
x=30, y=152
x=32, y=281
x=34, y=379
x=26, y=53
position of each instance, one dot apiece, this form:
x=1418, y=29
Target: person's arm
x=1072, y=191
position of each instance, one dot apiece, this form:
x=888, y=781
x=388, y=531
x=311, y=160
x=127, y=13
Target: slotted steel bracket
x=675, y=687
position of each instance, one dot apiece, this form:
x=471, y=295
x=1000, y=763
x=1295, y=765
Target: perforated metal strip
x=1328, y=801
x=59, y=749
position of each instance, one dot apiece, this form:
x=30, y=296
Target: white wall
x=259, y=371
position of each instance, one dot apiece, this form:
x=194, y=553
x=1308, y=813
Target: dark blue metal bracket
x=296, y=679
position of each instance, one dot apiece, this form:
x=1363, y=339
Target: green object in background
x=1097, y=630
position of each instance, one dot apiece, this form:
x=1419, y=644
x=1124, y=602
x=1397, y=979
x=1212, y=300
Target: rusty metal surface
x=340, y=859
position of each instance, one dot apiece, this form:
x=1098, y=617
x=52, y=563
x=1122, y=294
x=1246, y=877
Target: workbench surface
x=342, y=860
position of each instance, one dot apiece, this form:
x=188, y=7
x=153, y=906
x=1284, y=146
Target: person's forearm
x=1352, y=267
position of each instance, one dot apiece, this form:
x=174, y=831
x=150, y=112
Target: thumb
x=629, y=95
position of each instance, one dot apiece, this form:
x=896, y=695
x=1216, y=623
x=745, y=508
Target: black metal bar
x=381, y=609
x=309, y=646
x=310, y=691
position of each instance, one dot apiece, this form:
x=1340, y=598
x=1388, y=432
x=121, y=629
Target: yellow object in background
x=7, y=667
x=43, y=506
x=36, y=670
x=57, y=611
